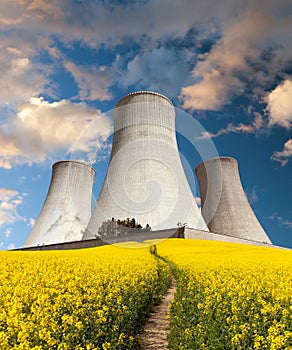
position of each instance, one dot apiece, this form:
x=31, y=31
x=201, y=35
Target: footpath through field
x=156, y=329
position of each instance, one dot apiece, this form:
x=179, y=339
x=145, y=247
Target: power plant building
x=67, y=208
x=145, y=178
x=225, y=207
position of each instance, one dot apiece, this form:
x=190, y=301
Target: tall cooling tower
x=225, y=207
x=145, y=178
x=67, y=208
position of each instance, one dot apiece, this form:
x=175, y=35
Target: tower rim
x=74, y=161
x=142, y=92
x=211, y=160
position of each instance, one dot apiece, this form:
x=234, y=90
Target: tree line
x=120, y=228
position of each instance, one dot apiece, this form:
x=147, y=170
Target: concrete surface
x=67, y=208
x=145, y=178
x=225, y=207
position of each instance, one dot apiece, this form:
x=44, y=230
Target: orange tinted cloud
x=42, y=129
x=280, y=104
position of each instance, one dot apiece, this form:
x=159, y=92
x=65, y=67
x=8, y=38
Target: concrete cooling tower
x=225, y=207
x=67, y=208
x=145, y=178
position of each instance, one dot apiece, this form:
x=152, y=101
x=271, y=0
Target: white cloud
x=247, y=30
x=20, y=79
x=281, y=220
x=31, y=222
x=93, y=83
x=238, y=58
x=32, y=129
x=8, y=232
x=252, y=128
x=6, y=194
x=280, y=104
x=19, y=12
x=43, y=9
x=94, y=21
x=160, y=69
x=22, y=74
x=212, y=92
x=9, y=201
x=284, y=155
x=42, y=129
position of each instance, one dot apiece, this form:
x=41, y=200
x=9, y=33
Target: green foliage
x=153, y=250
x=120, y=228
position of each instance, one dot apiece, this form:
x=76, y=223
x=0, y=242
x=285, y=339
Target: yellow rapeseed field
x=82, y=299
x=230, y=296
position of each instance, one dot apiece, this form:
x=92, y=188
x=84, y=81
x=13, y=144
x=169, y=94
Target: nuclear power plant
x=67, y=208
x=225, y=207
x=145, y=177
x=145, y=180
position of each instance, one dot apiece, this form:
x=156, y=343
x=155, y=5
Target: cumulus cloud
x=6, y=194
x=280, y=104
x=9, y=201
x=111, y=21
x=43, y=9
x=250, y=43
x=283, y=156
x=20, y=78
x=159, y=69
x=252, y=128
x=239, y=58
x=212, y=92
x=42, y=129
x=93, y=83
x=247, y=31
x=20, y=12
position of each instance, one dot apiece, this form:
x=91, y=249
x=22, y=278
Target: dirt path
x=156, y=328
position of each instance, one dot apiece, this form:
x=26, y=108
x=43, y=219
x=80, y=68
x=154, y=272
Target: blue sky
x=64, y=64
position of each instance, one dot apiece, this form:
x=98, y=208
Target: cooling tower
x=145, y=178
x=67, y=208
x=225, y=207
